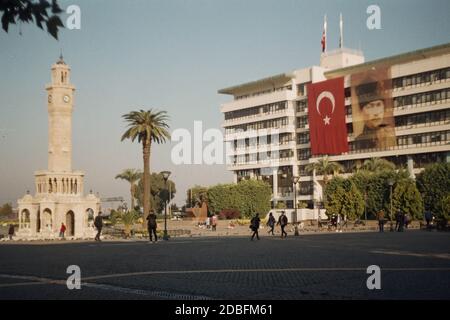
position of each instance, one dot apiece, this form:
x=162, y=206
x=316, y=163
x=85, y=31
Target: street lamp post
x=165, y=175
x=295, y=180
x=391, y=183
x=365, y=206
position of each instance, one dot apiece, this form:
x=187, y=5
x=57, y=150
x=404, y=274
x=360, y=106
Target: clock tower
x=60, y=106
x=59, y=197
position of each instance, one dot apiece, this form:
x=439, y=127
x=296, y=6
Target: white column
x=275, y=184
x=410, y=163
x=33, y=221
x=295, y=174
x=235, y=178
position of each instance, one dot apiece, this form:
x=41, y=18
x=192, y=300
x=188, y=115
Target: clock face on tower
x=66, y=98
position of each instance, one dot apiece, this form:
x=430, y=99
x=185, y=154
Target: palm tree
x=132, y=176
x=128, y=219
x=324, y=167
x=377, y=165
x=147, y=126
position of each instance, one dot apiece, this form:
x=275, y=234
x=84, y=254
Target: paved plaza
x=414, y=265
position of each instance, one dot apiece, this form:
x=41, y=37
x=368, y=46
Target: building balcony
x=259, y=100
x=425, y=147
x=245, y=165
x=238, y=135
x=262, y=148
x=258, y=117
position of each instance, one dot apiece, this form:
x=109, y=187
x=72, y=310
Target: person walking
x=152, y=225
x=254, y=225
x=380, y=218
x=398, y=216
x=271, y=223
x=214, y=222
x=401, y=221
x=407, y=220
x=62, y=230
x=11, y=231
x=98, y=223
x=428, y=218
x=338, y=223
x=283, y=221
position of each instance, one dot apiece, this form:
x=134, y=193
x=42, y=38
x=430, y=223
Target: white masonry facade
x=266, y=123
x=59, y=196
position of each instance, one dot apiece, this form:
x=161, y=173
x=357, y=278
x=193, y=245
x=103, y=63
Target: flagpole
x=325, y=30
x=324, y=35
x=341, y=28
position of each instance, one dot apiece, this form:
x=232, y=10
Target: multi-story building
x=266, y=123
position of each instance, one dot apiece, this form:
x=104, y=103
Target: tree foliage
x=132, y=176
x=6, y=210
x=247, y=197
x=147, y=127
x=42, y=12
x=446, y=207
x=196, y=196
x=434, y=185
x=158, y=191
x=281, y=205
x=344, y=198
x=406, y=198
x=378, y=165
x=375, y=188
x=324, y=167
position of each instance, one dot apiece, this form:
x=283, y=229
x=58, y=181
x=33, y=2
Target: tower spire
x=61, y=59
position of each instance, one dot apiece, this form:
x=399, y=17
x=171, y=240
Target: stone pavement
x=414, y=265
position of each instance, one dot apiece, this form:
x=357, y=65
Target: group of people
x=402, y=221
x=256, y=221
x=210, y=223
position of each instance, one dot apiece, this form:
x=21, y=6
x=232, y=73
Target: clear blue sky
x=174, y=55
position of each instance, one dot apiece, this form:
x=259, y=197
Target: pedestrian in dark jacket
x=254, y=225
x=11, y=231
x=398, y=217
x=151, y=224
x=98, y=223
x=428, y=218
x=283, y=221
x=401, y=221
x=271, y=223
x=380, y=217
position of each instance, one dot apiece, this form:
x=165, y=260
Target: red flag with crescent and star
x=326, y=112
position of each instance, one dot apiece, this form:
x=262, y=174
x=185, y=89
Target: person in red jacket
x=62, y=230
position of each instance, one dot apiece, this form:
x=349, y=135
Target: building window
x=303, y=154
x=303, y=138
x=302, y=121
x=302, y=105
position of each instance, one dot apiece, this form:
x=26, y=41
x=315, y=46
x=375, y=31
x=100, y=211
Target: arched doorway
x=25, y=219
x=47, y=222
x=38, y=221
x=70, y=223
x=90, y=217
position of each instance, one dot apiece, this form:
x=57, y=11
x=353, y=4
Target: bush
x=229, y=214
x=407, y=199
x=281, y=205
x=247, y=197
x=434, y=185
x=344, y=198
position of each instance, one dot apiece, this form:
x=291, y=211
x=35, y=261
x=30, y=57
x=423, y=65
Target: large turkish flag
x=326, y=110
